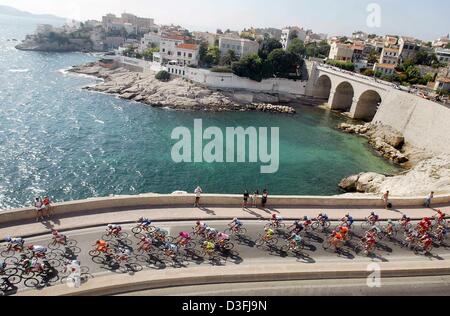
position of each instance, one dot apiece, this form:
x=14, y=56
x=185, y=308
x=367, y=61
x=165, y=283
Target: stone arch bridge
x=358, y=95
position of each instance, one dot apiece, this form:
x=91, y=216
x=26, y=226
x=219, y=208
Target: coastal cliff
x=177, y=93
x=424, y=171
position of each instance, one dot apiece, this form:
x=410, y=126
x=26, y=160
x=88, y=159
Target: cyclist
x=235, y=224
x=123, y=254
x=344, y=231
x=348, y=219
x=440, y=216
x=101, y=246
x=144, y=223
x=269, y=233
x=2, y=267
x=322, y=218
x=276, y=220
x=15, y=243
x=209, y=247
x=427, y=242
x=38, y=251
x=185, y=238
x=369, y=244
x=405, y=221
x=222, y=239
x=390, y=228
x=200, y=227
x=295, y=241
x=145, y=244
x=307, y=221
x=170, y=250
x=160, y=234
x=211, y=233
x=298, y=227
x=373, y=218
x=337, y=240
x=113, y=229
x=424, y=225
x=60, y=238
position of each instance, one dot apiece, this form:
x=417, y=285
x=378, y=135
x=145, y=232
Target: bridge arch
x=323, y=87
x=367, y=105
x=342, y=98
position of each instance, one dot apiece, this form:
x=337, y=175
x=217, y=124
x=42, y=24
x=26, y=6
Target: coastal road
x=245, y=252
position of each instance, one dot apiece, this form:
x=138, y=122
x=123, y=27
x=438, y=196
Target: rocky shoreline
x=424, y=171
x=177, y=93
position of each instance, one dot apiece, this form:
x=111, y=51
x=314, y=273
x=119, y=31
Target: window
x=163, y=50
x=184, y=54
x=190, y=55
x=179, y=53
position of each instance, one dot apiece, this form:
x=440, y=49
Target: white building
x=409, y=47
x=168, y=45
x=130, y=22
x=385, y=69
x=288, y=34
x=362, y=36
x=442, y=42
x=187, y=54
x=150, y=40
x=443, y=55
x=207, y=37
x=390, y=56
x=341, y=52
x=241, y=47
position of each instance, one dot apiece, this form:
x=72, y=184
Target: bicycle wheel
x=71, y=243
x=315, y=225
x=273, y=242
x=228, y=246
x=12, y=260
x=326, y=245
x=8, y=253
x=365, y=225
x=55, y=263
x=169, y=239
x=326, y=225
x=53, y=245
x=242, y=232
x=11, y=271
x=107, y=237
x=268, y=225
x=136, y=230
x=31, y=282
x=123, y=235
x=191, y=245
x=135, y=267
x=98, y=260
x=285, y=248
x=94, y=253
x=14, y=279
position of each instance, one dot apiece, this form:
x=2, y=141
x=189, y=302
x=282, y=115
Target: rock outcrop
x=432, y=174
x=176, y=93
x=384, y=139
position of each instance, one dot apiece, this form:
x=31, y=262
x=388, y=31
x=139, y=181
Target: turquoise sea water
x=60, y=140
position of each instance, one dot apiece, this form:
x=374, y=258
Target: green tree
x=250, y=67
x=368, y=72
x=373, y=57
x=448, y=46
x=148, y=53
x=267, y=46
x=212, y=56
x=229, y=58
x=203, y=50
x=285, y=64
x=163, y=76
x=297, y=47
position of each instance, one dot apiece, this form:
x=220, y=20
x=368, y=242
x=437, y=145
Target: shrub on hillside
x=163, y=76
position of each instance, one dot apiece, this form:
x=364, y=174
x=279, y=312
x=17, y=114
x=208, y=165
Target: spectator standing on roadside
x=386, y=200
x=39, y=207
x=429, y=199
x=198, y=192
x=264, y=198
x=246, y=197
x=255, y=198
x=47, y=206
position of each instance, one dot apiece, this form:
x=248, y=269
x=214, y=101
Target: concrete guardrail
x=178, y=200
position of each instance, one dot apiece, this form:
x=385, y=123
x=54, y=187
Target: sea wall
x=424, y=124
x=174, y=200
